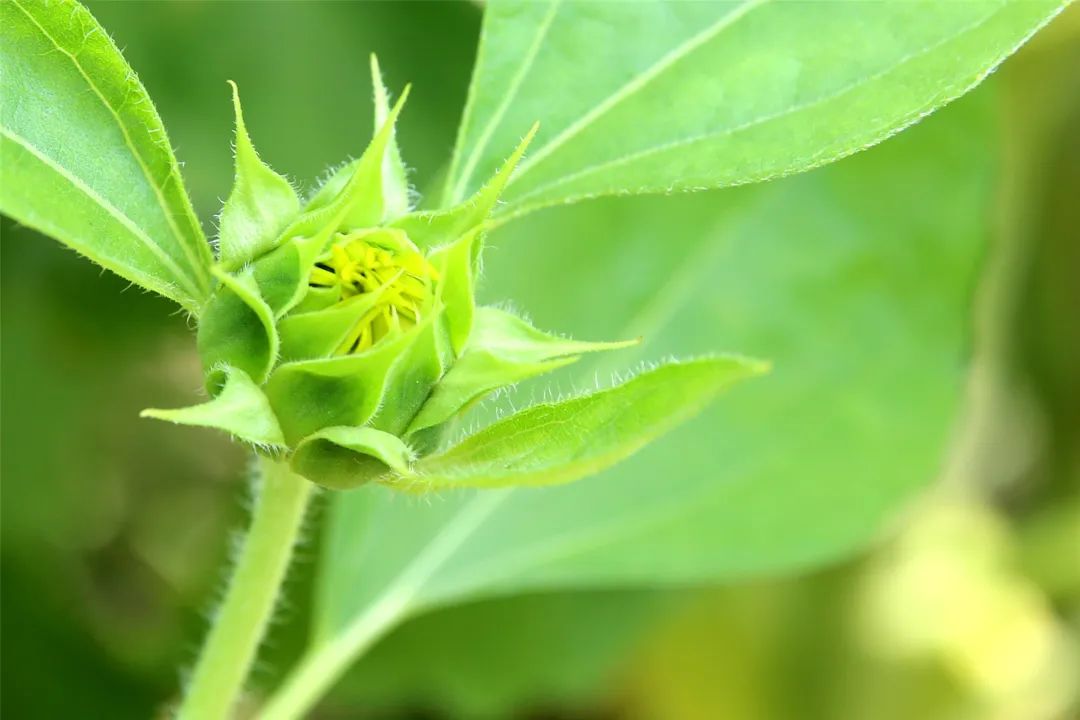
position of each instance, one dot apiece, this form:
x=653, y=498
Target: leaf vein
x=200, y=274
x=523, y=206
x=637, y=84
x=508, y=97
x=112, y=210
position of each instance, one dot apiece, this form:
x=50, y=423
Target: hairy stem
x=238, y=628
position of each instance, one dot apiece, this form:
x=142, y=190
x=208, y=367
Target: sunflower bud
x=344, y=334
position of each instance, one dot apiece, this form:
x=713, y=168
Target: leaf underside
x=84, y=156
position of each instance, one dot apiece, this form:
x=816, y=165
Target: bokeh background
x=115, y=531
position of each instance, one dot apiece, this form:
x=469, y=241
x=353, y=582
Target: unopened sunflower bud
x=347, y=340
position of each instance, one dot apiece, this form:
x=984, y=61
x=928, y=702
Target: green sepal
x=240, y=408
x=415, y=373
x=353, y=196
x=503, y=350
x=389, y=238
x=332, y=186
x=394, y=185
x=430, y=229
x=260, y=205
x=310, y=395
x=472, y=377
x=512, y=338
x=282, y=274
x=457, y=272
x=555, y=443
x=237, y=329
x=395, y=177
x=341, y=458
x=320, y=333
x=318, y=298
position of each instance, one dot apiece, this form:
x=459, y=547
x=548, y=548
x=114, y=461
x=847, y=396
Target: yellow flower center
x=384, y=268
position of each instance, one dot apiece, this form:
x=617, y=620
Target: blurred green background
x=115, y=530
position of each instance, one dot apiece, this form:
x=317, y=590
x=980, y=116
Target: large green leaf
x=854, y=280
x=659, y=96
x=84, y=155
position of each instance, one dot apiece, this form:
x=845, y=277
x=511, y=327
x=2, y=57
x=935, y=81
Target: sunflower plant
x=341, y=341
x=338, y=329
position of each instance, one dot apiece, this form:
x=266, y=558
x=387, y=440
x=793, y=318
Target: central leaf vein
x=197, y=266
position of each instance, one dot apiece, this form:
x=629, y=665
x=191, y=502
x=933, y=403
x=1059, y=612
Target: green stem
x=238, y=628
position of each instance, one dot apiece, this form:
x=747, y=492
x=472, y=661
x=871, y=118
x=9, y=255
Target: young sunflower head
x=383, y=275
x=344, y=334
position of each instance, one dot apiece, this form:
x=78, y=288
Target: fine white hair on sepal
x=323, y=178
x=215, y=236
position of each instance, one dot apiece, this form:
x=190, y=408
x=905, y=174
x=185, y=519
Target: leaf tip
x=244, y=149
x=384, y=133
x=378, y=88
x=241, y=129
x=525, y=142
x=503, y=176
x=401, y=100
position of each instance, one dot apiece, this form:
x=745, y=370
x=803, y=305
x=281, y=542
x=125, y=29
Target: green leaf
x=240, y=409
x=556, y=443
x=688, y=96
x=341, y=458
x=503, y=350
x=260, y=205
x=854, y=280
x=559, y=651
x=84, y=156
